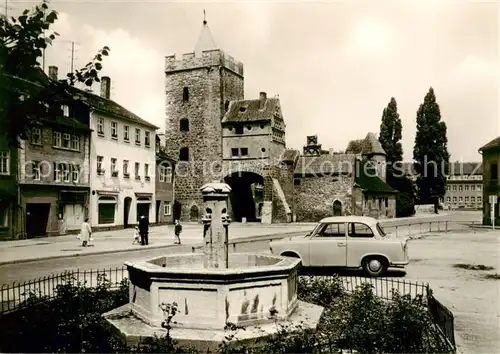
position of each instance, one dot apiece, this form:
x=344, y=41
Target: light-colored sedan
x=349, y=242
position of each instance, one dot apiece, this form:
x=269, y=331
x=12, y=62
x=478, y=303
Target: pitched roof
x=371, y=145
x=249, y=111
x=465, y=168
x=205, y=40
x=67, y=122
x=325, y=165
x=111, y=107
x=494, y=144
x=368, y=181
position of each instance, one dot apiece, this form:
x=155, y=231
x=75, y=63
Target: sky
x=334, y=65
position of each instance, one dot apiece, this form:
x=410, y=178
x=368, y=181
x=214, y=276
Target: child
x=137, y=236
x=177, y=231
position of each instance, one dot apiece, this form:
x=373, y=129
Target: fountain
x=212, y=289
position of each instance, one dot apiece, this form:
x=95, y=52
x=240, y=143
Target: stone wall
x=209, y=88
x=314, y=196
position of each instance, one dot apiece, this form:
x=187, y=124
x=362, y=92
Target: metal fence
x=13, y=297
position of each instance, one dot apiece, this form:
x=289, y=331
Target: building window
x=65, y=110
x=184, y=154
x=65, y=172
x=460, y=188
x=100, y=126
x=244, y=151
x=100, y=170
x=114, y=172
x=4, y=162
x=146, y=171
x=184, y=125
x=125, y=169
x=473, y=199
x=479, y=199
x=478, y=187
x=455, y=188
x=238, y=129
x=147, y=140
x=114, y=130
x=57, y=173
x=460, y=199
x=126, y=136
x=494, y=171
x=447, y=187
x=167, y=209
x=137, y=167
x=36, y=170
x=454, y=199
x=185, y=94
x=75, y=142
x=36, y=135
x=66, y=141
x=106, y=209
x=165, y=174
x=296, y=181
x=75, y=172
x=466, y=199
x=234, y=152
x=466, y=187
x=137, y=136
x=56, y=139
x=448, y=199
x=473, y=187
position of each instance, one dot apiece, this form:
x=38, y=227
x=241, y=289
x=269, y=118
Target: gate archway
x=337, y=208
x=247, y=192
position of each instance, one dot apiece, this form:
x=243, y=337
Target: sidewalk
x=121, y=240
x=159, y=237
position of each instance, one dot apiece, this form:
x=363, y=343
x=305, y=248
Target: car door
x=360, y=241
x=327, y=247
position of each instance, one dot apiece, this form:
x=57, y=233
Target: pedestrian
x=137, y=235
x=144, y=230
x=85, y=232
x=177, y=231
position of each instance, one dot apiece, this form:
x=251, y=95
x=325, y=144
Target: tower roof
x=205, y=39
x=372, y=146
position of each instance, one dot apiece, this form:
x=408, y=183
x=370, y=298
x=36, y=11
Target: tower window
x=234, y=152
x=184, y=154
x=184, y=125
x=239, y=129
x=226, y=105
x=244, y=151
x=185, y=94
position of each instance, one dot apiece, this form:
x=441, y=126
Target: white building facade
x=122, y=165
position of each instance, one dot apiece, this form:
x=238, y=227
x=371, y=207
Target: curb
x=237, y=241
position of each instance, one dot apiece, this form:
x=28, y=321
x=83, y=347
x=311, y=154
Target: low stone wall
x=424, y=209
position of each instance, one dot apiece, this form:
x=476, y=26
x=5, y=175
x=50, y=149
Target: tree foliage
x=430, y=151
x=355, y=146
x=27, y=94
x=391, y=133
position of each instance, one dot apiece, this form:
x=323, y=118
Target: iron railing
x=443, y=319
x=14, y=296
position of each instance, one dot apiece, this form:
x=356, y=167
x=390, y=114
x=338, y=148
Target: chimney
x=105, y=87
x=263, y=98
x=53, y=72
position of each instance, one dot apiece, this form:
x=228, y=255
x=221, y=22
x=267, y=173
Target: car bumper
x=399, y=264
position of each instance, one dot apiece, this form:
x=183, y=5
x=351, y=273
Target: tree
x=390, y=133
x=430, y=151
x=390, y=138
x=27, y=94
x=355, y=146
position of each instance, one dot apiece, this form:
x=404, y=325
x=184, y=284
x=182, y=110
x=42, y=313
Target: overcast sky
x=335, y=65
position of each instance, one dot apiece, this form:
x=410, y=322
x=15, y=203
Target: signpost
x=493, y=202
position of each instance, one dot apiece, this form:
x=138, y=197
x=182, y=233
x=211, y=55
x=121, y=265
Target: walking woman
x=85, y=232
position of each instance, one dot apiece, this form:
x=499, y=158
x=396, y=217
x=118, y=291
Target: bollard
x=397, y=231
x=430, y=226
x=439, y=226
x=409, y=230
x=446, y=225
x=420, y=227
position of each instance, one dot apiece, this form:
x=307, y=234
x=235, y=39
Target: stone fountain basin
x=254, y=289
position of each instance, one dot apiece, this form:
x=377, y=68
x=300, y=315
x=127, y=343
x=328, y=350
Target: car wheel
x=375, y=266
x=290, y=254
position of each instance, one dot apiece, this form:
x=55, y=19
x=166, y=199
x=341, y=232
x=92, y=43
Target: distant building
x=165, y=182
x=491, y=183
x=464, y=186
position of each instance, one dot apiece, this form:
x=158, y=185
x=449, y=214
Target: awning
x=144, y=195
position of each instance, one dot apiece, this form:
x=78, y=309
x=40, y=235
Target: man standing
x=177, y=231
x=144, y=230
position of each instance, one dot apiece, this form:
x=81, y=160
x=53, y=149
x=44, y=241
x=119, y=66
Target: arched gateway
x=247, y=193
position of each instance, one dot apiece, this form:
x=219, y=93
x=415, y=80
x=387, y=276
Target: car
x=347, y=242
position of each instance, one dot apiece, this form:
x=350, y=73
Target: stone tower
x=199, y=87
x=373, y=151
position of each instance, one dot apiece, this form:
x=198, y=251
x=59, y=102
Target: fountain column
x=216, y=220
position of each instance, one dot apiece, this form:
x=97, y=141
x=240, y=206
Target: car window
x=357, y=229
x=332, y=230
x=381, y=230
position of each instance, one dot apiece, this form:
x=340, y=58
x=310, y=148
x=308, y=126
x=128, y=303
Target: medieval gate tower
x=199, y=87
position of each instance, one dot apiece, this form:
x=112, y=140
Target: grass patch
x=495, y=276
x=473, y=266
